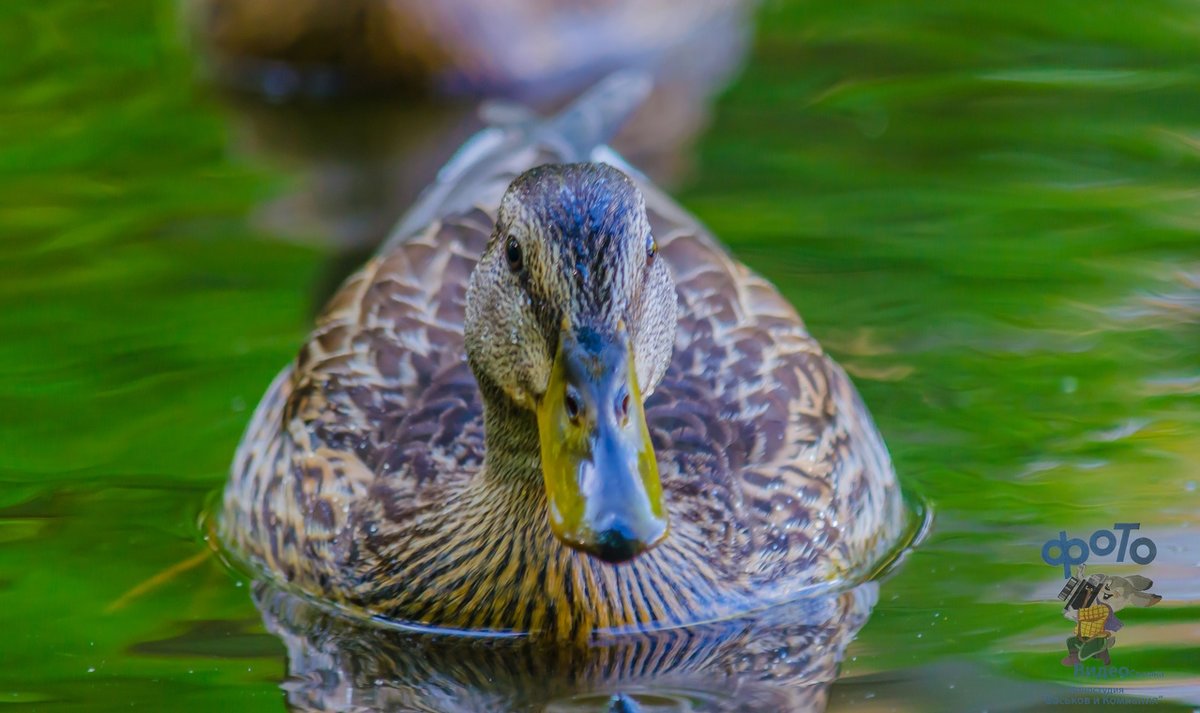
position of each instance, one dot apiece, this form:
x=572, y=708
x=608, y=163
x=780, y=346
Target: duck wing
x=797, y=482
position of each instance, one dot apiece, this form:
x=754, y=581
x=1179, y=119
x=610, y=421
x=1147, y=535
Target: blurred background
x=989, y=213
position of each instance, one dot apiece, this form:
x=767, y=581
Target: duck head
x=570, y=319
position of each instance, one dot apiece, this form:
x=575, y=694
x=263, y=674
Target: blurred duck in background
x=365, y=99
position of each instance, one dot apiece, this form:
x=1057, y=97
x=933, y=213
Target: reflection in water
x=1173, y=305
x=357, y=164
x=782, y=658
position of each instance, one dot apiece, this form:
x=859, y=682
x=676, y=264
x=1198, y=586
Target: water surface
x=987, y=213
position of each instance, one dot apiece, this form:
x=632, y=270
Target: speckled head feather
x=595, y=219
x=572, y=248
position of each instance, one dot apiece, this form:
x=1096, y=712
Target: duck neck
x=508, y=491
x=512, y=459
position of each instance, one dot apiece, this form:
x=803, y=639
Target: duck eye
x=512, y=251
x=651, y=249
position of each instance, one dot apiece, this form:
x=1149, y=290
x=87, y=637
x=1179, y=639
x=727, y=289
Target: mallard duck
x=553, y=404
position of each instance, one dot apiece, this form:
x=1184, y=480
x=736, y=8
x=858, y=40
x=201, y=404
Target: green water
x=988, y=213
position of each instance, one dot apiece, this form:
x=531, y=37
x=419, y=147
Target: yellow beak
x=598, y=463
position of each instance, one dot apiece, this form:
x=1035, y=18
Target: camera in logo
x=1081, y=593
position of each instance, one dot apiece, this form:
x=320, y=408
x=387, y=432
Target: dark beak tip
x=618, y=543
x=614, y=547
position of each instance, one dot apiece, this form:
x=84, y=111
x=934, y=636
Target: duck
x=532, y=49
x=388, y=89
x=554, y=405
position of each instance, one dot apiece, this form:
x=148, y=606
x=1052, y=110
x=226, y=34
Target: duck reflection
x=777, y=659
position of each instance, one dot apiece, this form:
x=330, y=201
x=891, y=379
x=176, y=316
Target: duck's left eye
x=651, y=249
x=512, y=251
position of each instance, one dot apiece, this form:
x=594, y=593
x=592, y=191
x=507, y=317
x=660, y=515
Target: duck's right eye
x=512, y=251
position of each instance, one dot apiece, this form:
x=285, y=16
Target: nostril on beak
x=622, y=407
x=571, y=403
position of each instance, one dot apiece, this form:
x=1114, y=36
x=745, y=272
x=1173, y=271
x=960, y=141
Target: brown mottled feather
x=360, y=479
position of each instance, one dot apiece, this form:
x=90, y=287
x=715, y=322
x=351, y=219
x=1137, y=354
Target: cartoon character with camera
x=1092, y=603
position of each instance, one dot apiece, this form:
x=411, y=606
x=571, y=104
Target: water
x=987, y=214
